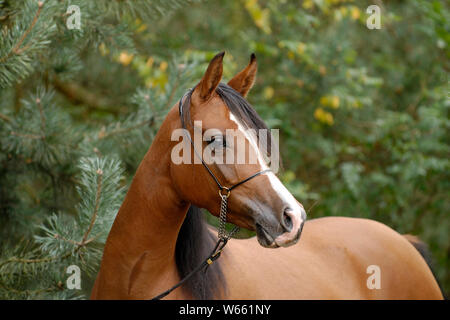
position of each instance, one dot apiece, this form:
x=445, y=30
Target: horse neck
x=141, y=244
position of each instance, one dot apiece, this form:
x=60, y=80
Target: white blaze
x=275, y=183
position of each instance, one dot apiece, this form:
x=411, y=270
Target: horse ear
x=211, y=78
x=244, y=80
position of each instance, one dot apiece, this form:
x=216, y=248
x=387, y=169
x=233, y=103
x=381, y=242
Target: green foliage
x=24, y=38
x=35, y=270
x=66, y=138
x=39, y=132
x=363, y=114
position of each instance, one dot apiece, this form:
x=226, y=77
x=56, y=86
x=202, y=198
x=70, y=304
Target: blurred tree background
x=363, y=115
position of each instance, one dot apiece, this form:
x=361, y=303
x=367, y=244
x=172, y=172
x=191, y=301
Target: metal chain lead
x=222, y=234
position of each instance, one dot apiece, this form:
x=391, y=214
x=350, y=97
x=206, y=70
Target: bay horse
x=159, y=236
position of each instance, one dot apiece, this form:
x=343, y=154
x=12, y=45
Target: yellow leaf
x=308, y=4
x=355, y=13
x=301, y=48
x=323, y=116
x=163, y=66
x=142, y=28
x=268, y=93
x=330, y=101
x=329, y=119
x=334, y=103
x=149, y=62
x=260, y=16
x=324, y=101
x=103, y=49
x=125, y=58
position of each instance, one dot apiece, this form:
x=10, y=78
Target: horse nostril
x=287, y=221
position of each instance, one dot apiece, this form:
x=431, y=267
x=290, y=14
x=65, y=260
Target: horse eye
x=218, y=140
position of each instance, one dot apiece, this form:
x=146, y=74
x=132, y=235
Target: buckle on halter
x=226, y=194
x=214, y=256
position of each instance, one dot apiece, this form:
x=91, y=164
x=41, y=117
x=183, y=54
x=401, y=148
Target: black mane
x=195, y=242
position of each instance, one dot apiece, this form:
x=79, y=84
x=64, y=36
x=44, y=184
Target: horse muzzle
x=285, y=233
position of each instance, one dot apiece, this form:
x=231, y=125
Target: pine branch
x=40, y=133
x=80, y=95
x=28, y=136
x=32, y=292
x=19, y=260
x=41, y=114
x=103, y=135
x=34, y=261
x=16, y=49
x=97, y=203
x=5, y=117
x=106, y=200
x=27, y=36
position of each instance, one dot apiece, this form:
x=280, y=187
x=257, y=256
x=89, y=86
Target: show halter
x=224, y=193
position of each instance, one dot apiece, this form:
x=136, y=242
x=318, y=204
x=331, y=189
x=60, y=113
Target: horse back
x=336, y=258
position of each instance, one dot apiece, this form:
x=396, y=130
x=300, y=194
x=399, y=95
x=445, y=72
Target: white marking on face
x=277, y=187
x=252, y=140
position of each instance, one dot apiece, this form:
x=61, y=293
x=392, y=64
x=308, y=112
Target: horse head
x=229, y=154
